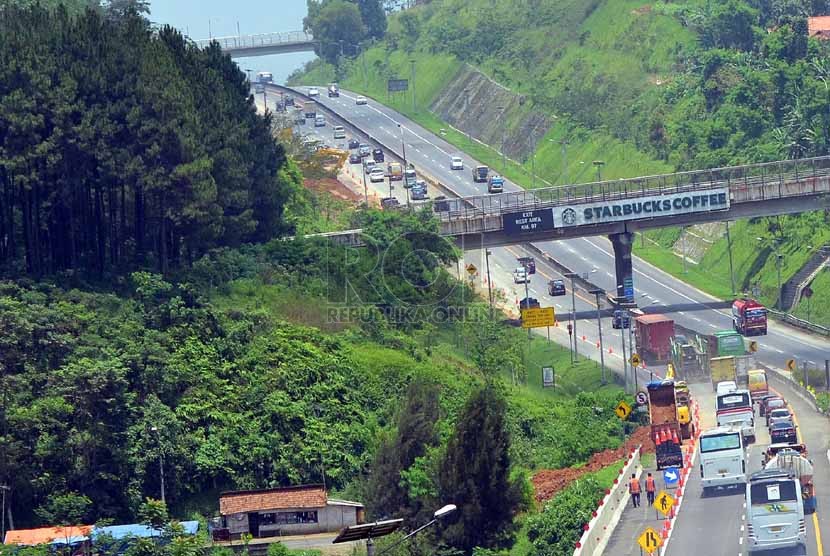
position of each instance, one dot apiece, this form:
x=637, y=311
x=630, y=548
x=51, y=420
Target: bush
x=555, y=530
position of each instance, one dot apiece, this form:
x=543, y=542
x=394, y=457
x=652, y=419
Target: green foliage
x=153, y=513
x=475, y=475
x=65, y=509
x=336, y=24
x=124, y=147
x=556, y=529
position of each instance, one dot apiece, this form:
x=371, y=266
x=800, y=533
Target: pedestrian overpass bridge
x=246, y=46
x=617, y=208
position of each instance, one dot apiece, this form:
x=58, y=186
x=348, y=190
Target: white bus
x=775, y=512
x=722, y=458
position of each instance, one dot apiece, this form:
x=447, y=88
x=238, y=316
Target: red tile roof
x=818, y=26
x=45, y=535
x=242, y=501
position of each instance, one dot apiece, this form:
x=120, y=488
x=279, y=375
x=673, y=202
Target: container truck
x=793, y=461
x=749, y=317
x=653, y=334
x=722, y=369
x=665, y=428
x=310, y=109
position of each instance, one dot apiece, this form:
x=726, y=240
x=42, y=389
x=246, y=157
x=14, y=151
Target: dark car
x=377, y=155
x=783, y=431
x=529, y=303
x=354, y=158
x=354, y=143
x=556, y=288
x=771, y=404
x=529, y=263
x=621, y=320
x=389, y=203
x=762, y=403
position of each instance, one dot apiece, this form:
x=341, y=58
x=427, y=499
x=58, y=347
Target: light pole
x=572, y=276
x=565, y=143
x=161, y=461
x=503, y=157
x=3, y=488
x=403, y=148
x=439, y=514
x=533, y=157
x=467, y=107
x=487, y=254
x=249, y=71
x=683, y=247
x=412, y=80
x=598, y=164
x=729, y=248
x=598, y=292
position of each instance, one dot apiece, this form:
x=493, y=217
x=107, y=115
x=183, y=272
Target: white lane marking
x=712, y=325
x=741, y=539
x=778, y=350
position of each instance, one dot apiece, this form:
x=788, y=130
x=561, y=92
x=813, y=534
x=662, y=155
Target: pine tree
x=475, y=475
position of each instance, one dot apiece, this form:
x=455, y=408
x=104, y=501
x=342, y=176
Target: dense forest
x=123, y=147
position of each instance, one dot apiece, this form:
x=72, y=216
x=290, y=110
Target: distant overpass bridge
x=246, y=46
x=617, y=208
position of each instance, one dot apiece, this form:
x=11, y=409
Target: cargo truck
x=795, y=462
x=757, y=383
x=684, y=409
x=686, y=357
x=395, y=171
x=653, y=334
x=310, y=109
x=749, y=317
x=665, y=428
x=722, y=369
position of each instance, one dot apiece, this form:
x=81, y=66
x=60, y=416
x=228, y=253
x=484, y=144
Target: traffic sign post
x=636, y=361
x=753, y=346
x=664, y=503
x=538, y=318
x=642, y=398
x=650, y=540
x=471, y=269
x=623, y=410
x=671, y=475
x=791, y=365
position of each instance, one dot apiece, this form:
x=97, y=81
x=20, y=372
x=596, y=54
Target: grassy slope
x=621, y=46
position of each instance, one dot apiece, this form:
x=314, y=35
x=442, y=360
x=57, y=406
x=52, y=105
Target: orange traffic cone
x=674, y=437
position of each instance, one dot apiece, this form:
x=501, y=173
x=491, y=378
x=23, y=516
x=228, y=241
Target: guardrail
x=772, y=180
x=257, y=41
x=799, y=323
x=598, y=530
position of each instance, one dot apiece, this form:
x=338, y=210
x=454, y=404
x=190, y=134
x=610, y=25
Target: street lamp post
x=365, y=186
x=503, y=126
x=161, y=462
x=729, y=248
x=466, y=115
x=598, y=292
x=598, y=164
x=564, y=143
x=249, y=71
x=412, y=80
x=487, y=254
x=572, y=276
x=533, y=157
x=3, y=488
x=439, y=514
x=778, y=257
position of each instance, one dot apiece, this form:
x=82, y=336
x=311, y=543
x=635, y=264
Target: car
x=354, y=158
x=782, y=414
x=783, y=431
x=773, y=404
x=762, y=403
x=529, y=303
x=377, y=174
x=389, y=203
x=418, y=192
x=339, y=132
x=520, y=276
x=556, y=288
x=320, y=121
x=456, y=163
x=369, y=165
x=360, y=101
x=726, y=386
x=409, y=178
x=354, y=144
x=377, y=154
x=364, y=150
x=529, y=263
x=495, y=184
x=313, y=92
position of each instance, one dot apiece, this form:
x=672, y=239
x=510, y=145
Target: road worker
x=634, y=489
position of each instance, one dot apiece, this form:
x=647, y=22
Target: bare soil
x=548, y=482
x=333, y=187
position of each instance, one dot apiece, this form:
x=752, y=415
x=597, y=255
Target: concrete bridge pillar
x=622, y=263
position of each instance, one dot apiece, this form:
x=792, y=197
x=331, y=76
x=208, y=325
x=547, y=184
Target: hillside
x=645, y=87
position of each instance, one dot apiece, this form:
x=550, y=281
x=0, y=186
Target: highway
x=704, y=526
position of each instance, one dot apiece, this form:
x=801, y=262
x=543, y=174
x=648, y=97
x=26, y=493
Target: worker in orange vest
x=634, y=489
x=650, y=489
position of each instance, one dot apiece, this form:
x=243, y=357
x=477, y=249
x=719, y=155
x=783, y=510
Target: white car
x=520, y=276
x=377, y=174
x=313, y=92
x=360, y=101
x=726, y=386
x=369, y=165
x=456, y=163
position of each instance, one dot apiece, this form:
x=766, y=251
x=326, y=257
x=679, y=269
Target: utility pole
x=572, y=276
x=3, y=489
x=489, y=287
x=598, y=292
x=631, y=345
x=599, y=164
x=683, y=247
x=625, y=359
x=412, y=81
x=533, y=157
x=161, y=461
x=731, y=269
x=503, y=158
x=363, y=62
x=778, y=257
x=564, y=143
x=466, y=108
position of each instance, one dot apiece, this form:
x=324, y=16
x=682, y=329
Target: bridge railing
x=261, y=40
x=758, y=181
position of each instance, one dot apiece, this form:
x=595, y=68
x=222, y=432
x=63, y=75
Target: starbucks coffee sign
x=638, y=208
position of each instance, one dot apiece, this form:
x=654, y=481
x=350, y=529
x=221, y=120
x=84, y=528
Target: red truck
x=653, y=334
x=749, y=318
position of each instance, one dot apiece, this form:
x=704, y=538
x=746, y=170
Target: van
x=775, y=512
x=339, y=132
x=395, y=171
x=409, y=177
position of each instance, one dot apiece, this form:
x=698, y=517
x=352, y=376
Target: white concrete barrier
x=599, y=529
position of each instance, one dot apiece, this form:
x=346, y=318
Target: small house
x=295, y=510
x=819, y=27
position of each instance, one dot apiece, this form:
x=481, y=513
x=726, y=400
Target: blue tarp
x=139, y=530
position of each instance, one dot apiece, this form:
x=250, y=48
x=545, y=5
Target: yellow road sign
x=791, y=365
x=471, y=269
x=623, y=410
x=538, y=318
x=635, y=360
x=650, y=540
x=753, y=346
x=663, y=502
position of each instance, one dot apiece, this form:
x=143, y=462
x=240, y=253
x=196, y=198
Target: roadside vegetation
x=646, y=88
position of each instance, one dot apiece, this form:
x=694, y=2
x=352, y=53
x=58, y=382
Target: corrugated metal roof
x=48, y=535
x=338, y=502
